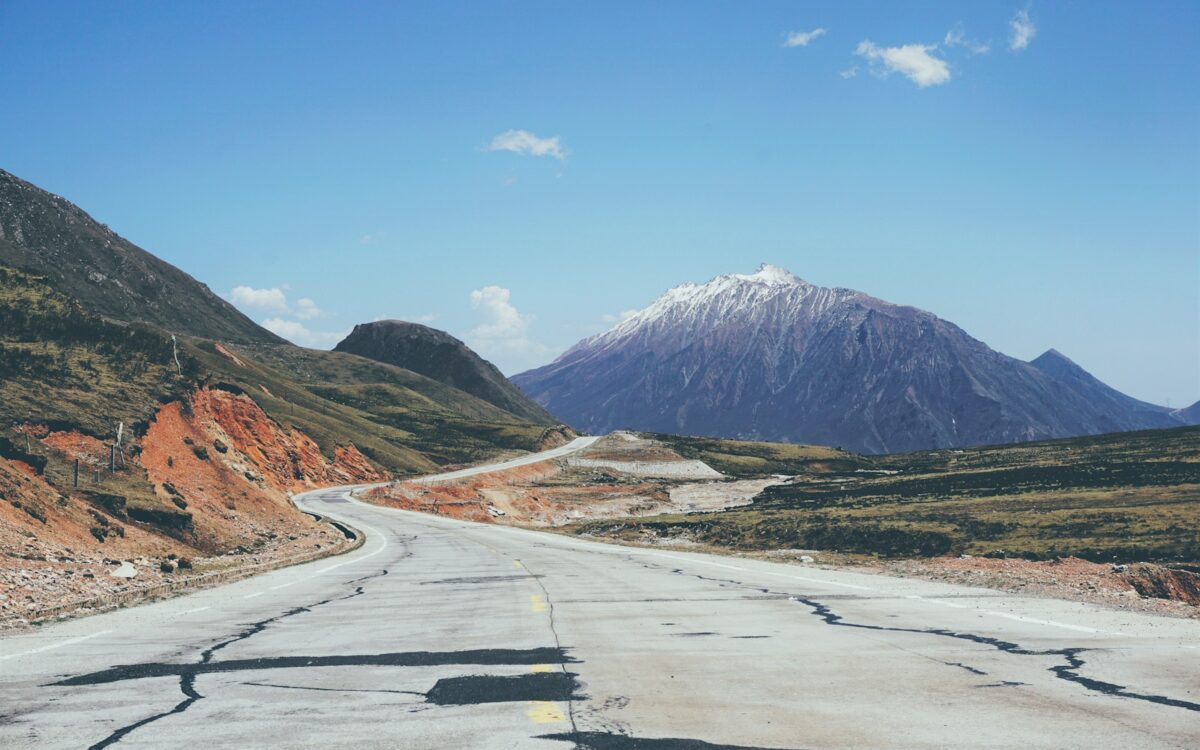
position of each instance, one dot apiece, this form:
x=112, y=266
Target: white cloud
x=306, y=309
x=501, y=319
x=619, y=317
x=957, y=38
x=370, y=239
x=285, y=320
x=503, y=333
x=913, y=61
x=298, y=333
x=1021, y=31
x=802, y=38
x=849, y=72
x=271, y=300
x=524, y=142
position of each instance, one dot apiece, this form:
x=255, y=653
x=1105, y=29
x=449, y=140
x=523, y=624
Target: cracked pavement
x=443, y=633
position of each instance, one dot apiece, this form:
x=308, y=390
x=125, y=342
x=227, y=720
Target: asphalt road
x=445, y=634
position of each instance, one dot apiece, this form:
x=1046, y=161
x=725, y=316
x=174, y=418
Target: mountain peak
x=771, y=274
x=440, y=356
x=1053, y=354
x=1055, y=363
x=766, y=356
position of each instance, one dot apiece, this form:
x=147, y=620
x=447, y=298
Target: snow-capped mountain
x=769, y=356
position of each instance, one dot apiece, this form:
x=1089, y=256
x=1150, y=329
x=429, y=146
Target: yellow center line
x=537, y=602
x=545, y=712
x=541, y=668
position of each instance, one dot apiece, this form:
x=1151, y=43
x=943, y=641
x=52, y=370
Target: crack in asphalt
x=967, y=667
x=187, y=677
x=469, y=580
x=333, y=690
x=483, y=657
x=613, y=741
x=1068, y=671
x=571, y=697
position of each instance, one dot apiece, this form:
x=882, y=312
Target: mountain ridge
x=47, y=235
x=769, y=356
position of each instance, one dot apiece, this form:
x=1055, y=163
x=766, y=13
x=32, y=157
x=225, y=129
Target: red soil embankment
x=209, y=481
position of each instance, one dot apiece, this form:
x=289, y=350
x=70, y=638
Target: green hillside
x=1122, y=496
x=64, y=366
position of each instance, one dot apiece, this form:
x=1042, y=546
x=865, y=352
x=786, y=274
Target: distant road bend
x=447, y=634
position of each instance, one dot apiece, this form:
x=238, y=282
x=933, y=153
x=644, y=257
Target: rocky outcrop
x=438, y=355
x=253, y=461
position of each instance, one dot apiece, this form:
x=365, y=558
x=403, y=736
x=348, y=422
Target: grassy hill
x=1123, y=496
x=66, y=367
x=86, y=319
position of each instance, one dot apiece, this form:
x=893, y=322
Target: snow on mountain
x=770, y=356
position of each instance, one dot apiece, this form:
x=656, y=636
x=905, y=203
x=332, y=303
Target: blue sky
x=1042, y=193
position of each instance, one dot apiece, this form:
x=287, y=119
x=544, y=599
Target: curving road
x=446, y=634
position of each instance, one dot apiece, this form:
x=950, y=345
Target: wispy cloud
x=849, y=72
x=370, y=239
x=956, y=37
x=270, y=300
x=298, y=333
x=273, y=300
x=1021, y=31
x=802, y=38
x=619, y=317
x=285, y=317
x=524, y=142
x=306, y=309
x=913, y=61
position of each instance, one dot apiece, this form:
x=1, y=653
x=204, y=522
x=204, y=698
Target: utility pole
x=77, y=472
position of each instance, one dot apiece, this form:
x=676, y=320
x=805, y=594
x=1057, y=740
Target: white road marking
x=1019, y=618
x=762, y=572
x=191, y=611
x=1051, y=623
x=60, y=644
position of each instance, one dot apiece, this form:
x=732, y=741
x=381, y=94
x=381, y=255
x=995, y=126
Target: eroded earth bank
x=205, y=490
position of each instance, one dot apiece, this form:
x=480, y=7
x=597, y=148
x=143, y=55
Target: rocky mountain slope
x=444, y=358
x=217, y=425
x=50, y=236
x=768, y=356
x=1188, y=414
